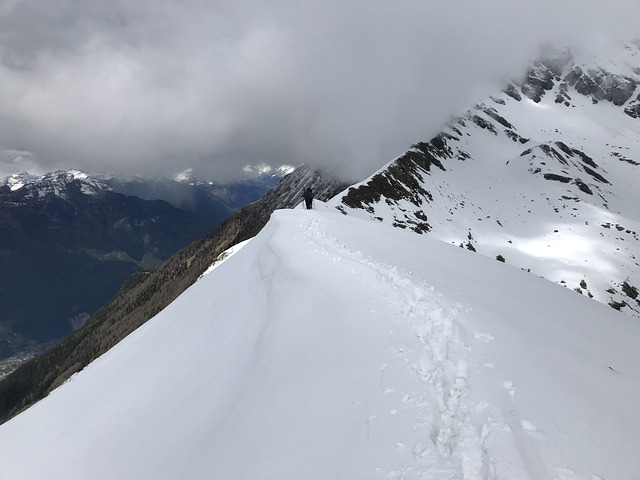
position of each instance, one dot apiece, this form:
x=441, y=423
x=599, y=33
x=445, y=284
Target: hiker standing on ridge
x=308, y=198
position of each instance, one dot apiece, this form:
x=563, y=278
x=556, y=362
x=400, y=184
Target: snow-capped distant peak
x=54, y=183
x=286, y=169
x=184, y=176
x=78, y=175
x=265, y=169
x=16, y=181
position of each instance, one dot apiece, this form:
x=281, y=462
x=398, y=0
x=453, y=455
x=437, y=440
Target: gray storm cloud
x=115, y=85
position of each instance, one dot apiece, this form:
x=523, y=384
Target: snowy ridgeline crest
x=542, y=176
x=321, y=356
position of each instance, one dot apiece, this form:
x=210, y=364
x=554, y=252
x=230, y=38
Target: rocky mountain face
x=543, y=176
x=68, y=240
x=147, y=292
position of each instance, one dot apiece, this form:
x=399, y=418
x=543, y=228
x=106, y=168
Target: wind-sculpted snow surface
x=330, y=347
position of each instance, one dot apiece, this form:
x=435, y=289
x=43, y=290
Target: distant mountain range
x=68, y=240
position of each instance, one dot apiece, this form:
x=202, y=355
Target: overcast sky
x=158, y=85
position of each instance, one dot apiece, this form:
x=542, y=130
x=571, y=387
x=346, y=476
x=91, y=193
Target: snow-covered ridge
x=323, y=349
x=543, y=175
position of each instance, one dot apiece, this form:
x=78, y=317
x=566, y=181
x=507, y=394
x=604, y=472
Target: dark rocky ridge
x=403, y=180
x=538, y=81
x=633, y=110
x=568, y=159
x=597, y=83
x=601, y=85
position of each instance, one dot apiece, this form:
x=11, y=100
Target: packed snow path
x=423, y=339
x=333, y=347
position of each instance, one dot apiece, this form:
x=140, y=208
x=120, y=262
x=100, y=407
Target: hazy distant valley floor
x=8, y=365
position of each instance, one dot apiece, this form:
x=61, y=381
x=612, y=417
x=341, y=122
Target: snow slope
x=331, y=347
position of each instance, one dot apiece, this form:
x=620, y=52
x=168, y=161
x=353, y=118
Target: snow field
x=334, y=347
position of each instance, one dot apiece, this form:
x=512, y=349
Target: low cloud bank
x=163, y=85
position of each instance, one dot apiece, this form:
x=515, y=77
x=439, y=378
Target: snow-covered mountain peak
x=619, y=57
x=186, y=176
x=15, y=181
x=613, y=76
x=55, y=183
x=543, y=176
x=249, y=172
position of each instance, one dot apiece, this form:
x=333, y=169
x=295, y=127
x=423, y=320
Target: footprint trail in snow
x=449, y=441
